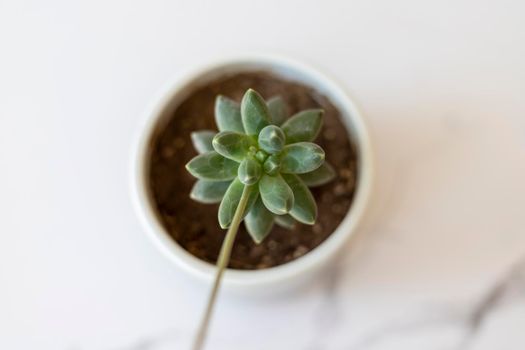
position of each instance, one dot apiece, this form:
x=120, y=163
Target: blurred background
x=440, y=263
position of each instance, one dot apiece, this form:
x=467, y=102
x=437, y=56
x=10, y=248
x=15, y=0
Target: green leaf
x=271, y=139
x=278, y=110
x=202, y=140
x=232, y=145
x=230, y=201
x=212, y=166
x=251, y=200
x=228, y=115
x=272, y=165
x=276, y=195
x=303, y=126
x=249, y=171
x=301, y=157
x=285, y=221
x=320, y=176
x=304, y=208
x=254, y=112
x=259, y=221
x=209, y=192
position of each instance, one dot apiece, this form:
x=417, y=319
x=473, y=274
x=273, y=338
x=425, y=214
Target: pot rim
x=313, y=259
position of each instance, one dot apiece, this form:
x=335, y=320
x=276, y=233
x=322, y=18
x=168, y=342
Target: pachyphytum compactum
x=259, y=146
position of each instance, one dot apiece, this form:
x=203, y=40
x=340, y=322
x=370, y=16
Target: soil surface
x=195, y=226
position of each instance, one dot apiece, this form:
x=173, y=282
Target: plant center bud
x=261, y=156
x=272, y=165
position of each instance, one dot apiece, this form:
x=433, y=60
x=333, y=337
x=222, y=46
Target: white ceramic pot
x=297, y=270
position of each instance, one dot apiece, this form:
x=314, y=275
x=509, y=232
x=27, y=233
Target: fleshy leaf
x=249, y=171
x=228, y=115
x=278, y=110
x=303, y=126
x=232, y=145
x=320, y=176
x=259, y=221
x=212, y=166
x=209, y=192
x=251, y=200
x=271, y=139
x=230, y=201
x=285, y=221
x=304, y=208
x=301, y=157
x=202, y=140
x=276, y=195
x=272, y=165
x=254, y=112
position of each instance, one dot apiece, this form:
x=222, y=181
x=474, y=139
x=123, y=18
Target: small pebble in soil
x=179, y=143
x=327, y=197
x=193, y=247
x=257, y=251
x=266, y=261
x=168, y=152
x=317, y=228
x=195, y=226
x=171, y=219
x=345, y=173
x=340, y=189
x=329, y=134
x=299, y=251
x=337, y=208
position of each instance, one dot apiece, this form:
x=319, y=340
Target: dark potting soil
x=195, y=226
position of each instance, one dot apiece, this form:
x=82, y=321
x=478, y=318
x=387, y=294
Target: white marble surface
x=440, y=263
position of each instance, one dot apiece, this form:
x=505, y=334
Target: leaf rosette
x=259, y=146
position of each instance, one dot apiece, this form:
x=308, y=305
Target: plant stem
x=222, y=262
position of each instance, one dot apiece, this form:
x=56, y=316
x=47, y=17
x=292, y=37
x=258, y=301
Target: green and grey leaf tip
x=258, y=145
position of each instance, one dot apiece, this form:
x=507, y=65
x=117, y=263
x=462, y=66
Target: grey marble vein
x=507, y=289
x=469, y=321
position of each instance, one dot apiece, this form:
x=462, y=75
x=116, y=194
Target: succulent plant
x=258, y=147
x=258, y=166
